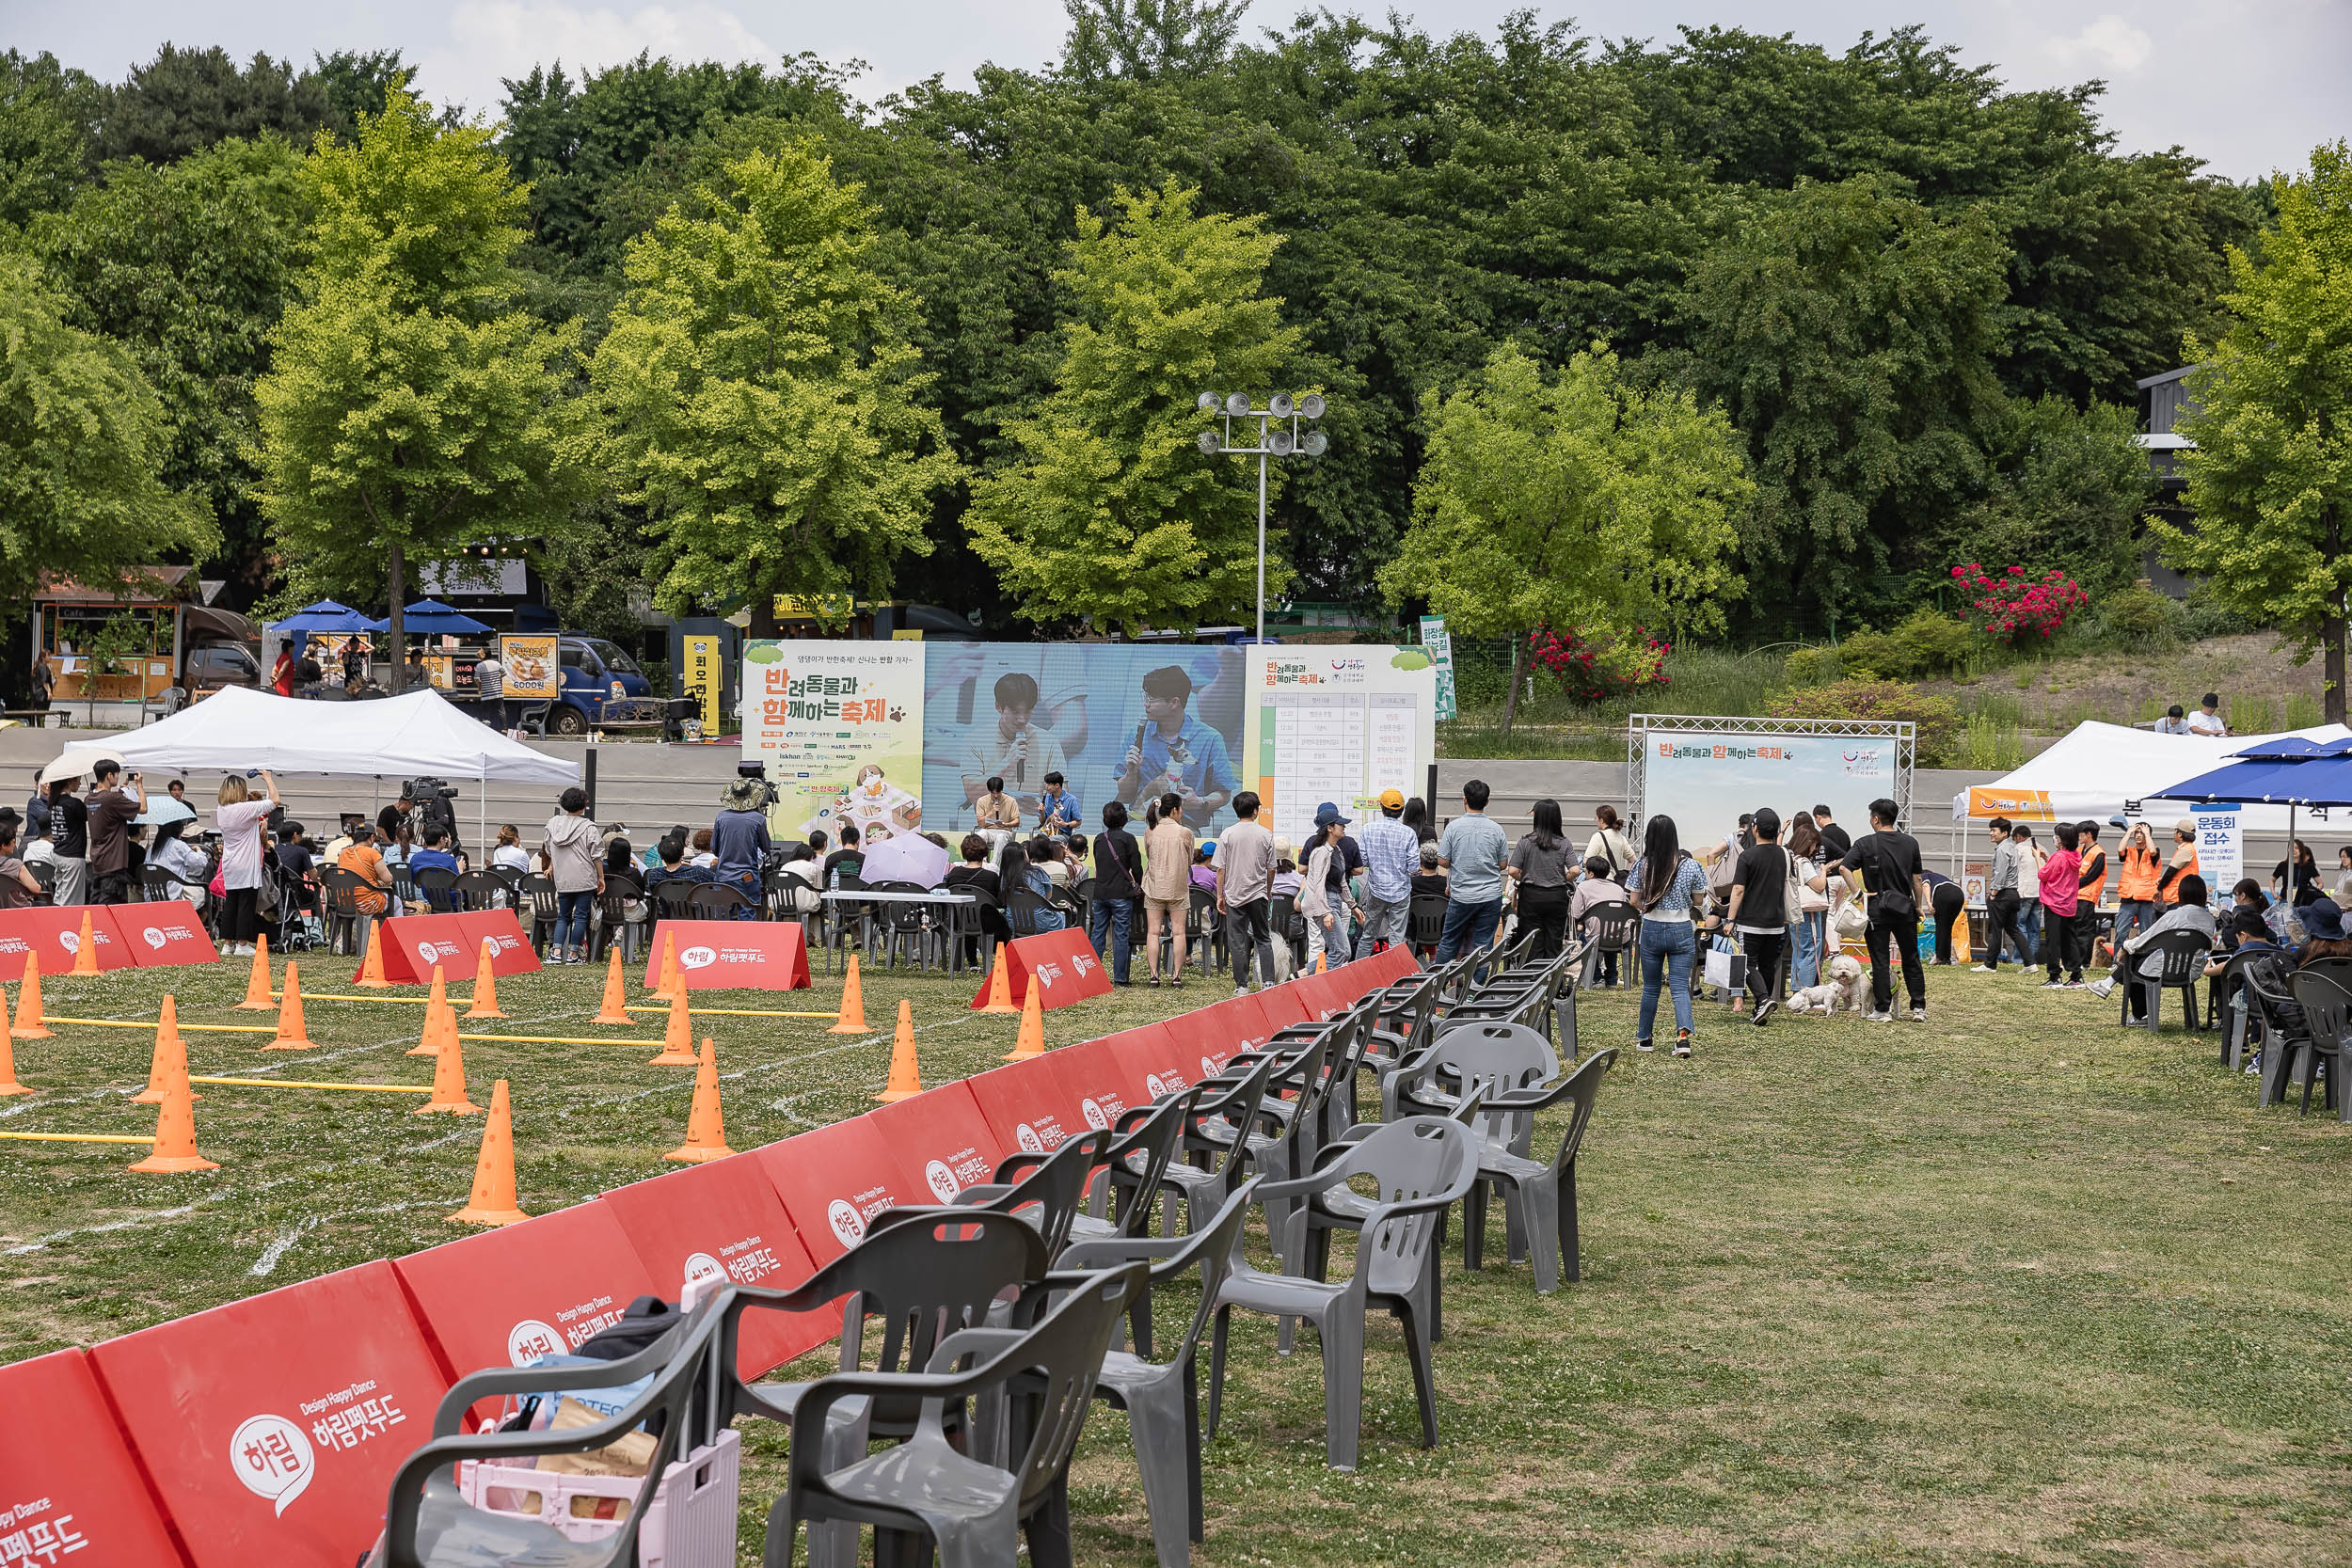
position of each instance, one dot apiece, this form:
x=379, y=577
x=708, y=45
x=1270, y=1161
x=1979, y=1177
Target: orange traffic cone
x=291, y=1034
x=853, y=1019
x=906, y=1074
x=485, y=988
x=28, y=1024
x=493, y=1199
x=615, y=1008
x=678, y=1039
x=706, y=1128
x=666, y=981
x=170, y=1058
x=86, y=950
x=1031, y=1040
x=371, y=971
x=435, y=1004
x=1000, y=985
x=449, y=1077
x=8, y=1085
x=175, y=1128
x=257, y=987
x=1319, y=963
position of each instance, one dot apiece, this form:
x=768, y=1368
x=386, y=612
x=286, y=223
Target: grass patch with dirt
x=2013, y=1286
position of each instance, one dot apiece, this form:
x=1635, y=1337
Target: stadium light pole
x=1279, y=435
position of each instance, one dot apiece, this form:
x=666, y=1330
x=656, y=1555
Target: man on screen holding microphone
x=1018, y=751
x=1173, y=750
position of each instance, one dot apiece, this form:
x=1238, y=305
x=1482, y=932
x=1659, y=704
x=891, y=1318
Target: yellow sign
x=1986, y=801
x=701, y=675
x=817, y=606
x=914, y=635
x=532, y=667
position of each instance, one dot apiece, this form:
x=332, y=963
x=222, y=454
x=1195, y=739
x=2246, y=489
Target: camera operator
x=111, y=807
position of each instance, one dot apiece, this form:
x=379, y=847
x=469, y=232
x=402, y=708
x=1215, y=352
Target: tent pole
x=481, y=819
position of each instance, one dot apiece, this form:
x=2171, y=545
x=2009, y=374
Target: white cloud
x=492, y=40
x=2110, y=46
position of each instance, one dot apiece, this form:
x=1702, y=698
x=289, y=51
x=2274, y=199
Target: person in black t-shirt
x=1759, y=910
x=1117, y=884
x=1839, y=842
x=849, y=857
x=1895, y=880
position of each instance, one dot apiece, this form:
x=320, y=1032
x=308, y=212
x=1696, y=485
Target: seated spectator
x=17, y=886
x=1429, y=883
x=1286, y=877
x=300, y=865
x=434, y=856
x=2246, y=933
x=1599, y=885
x=2323, y=933
x=2207, y=720
x=360, y=859
x=673, y=866
x=977, y=876
x=848, y=859
x=703, y=855
x=1056, y=867
x=1203, y=875
x=2173, y=722
x=2189, y=915
x=183, y=860
x=510, y=855
x=1041, y=853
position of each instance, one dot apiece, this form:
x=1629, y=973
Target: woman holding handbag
x=1811, y=909
x=1667, y=885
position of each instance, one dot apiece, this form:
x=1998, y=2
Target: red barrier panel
x=1153, y=1061
x=832, y=1181
x=274, y=1424
x=733, y=955
x=539, y=1287
x=1027, y=1105
x=67, y=1478
x=413, y=944
x=162, y=933
x=55, y=934
x=941, y=1140
x=1204, y=1042
x=1282, y=1006
x=1100, y=1082
x=724, y=1221
x=510, y=948
x=1063, y=964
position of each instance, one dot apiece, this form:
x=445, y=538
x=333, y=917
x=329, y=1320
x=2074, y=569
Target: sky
x=2249, y=86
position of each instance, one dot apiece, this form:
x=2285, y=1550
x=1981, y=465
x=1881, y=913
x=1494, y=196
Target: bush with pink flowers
x=1595, y=667
x=2020, y=608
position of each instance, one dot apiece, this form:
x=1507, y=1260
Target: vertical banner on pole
x=1440, y=643
x=2220, y=844
x=700, y=677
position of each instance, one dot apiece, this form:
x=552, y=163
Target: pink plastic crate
x=691, y=1522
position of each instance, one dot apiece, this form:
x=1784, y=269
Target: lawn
x=2013, y=1286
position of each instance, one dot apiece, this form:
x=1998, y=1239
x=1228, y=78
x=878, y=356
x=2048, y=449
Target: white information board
x=2220, y=847
x=1338, y=723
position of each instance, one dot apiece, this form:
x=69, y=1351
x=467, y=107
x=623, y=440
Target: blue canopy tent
x=2288, y=770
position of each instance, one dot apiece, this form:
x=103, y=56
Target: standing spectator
x=281, y=674
x=1057, y=808
x=570, y=845
x=510, y=855
x=2173, y=722
x=1608, y=842
x=1949, y=901
x=68, y=832
x=1471, y=850
x=1811, y=914
x=1759, y=911
x=17, y=886
x=2296, y=878
x=238, y=819
x=1321, y=900
x=111, y=808
x=849, y=858
x=2207, y=720
x=356, y=667
x=1167, y=884
x=2137, y=867
x=1347, y=857
x=1392, y=851
x=178, y=790
x=738, y=839
x=1540, y=867
x=1117, y=885
x=1415, y=816
x=489, y=685
x=2094, y=876
x=2030, y=858
x=2182, y=862
x=1888, y=864
x=45, y=681
x=36, y=818
x=1666, y=885
x=1245, y=872
x=2003, y=889
x=1836, y=843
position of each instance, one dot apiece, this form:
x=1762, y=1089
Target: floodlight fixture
x=1311, y=406
x=1314, y=443
x=1279, y=442
x=1279, y=435
x=1209, y=403
x=1279, y=405
x=1210, y=443
x=1237, y=404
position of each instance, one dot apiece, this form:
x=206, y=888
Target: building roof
x=2147, y=381
x=155, y=585
x=2164, y=442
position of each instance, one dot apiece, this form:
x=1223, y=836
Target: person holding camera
x=238, y=817
x=111, y=807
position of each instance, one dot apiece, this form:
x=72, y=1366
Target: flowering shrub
x=1603, y=665
x=2017, y=607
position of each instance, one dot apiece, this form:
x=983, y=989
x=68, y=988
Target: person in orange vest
x=2183, y=862
x=2094, y=889
x=2138, y=866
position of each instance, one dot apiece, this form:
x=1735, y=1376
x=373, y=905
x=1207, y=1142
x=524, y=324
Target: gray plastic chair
x=1538, y=1198
x=1423, y=1166
x=1009, y=1477
x=1503, y=1056
x=2182, y=956
x=1219, y=1157
x=1049, y=1198
x=2326, y=1017
x=1135, y=1167
x=1162, y=1398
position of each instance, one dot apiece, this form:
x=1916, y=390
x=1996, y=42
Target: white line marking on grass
x=277, y=1249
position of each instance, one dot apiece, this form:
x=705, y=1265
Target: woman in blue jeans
x=1667, y=886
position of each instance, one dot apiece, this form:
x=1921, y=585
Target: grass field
x=2010, y=1287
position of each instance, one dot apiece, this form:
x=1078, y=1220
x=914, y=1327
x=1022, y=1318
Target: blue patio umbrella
x=2288, y=771
x=326, y=616
x=432, y=618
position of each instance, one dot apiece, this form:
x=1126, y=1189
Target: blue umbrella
x=326, y=616
x=432, y=618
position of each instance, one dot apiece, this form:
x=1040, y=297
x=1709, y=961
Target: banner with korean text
x=1705, y=779
x=840, y=728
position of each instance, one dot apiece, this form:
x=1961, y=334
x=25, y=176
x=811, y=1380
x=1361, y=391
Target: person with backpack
x=1894, y=879
x=1760, y=910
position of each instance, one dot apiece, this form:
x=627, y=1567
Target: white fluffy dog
x=1841, y=992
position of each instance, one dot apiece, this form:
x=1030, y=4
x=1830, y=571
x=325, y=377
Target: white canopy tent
x=2102, y=769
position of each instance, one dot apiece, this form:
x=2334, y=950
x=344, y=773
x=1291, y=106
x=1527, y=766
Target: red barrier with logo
x=724, y=1222
x=1028, y=1106
x=543, y=1287
x=510, y=949
x=1154, y=1061
x=733, y=955
x=55, y=934
x=413, y=944
x=1281, y=1007
x=163, y=932
x=832, y=1181
x=273, y=1425
x=1206, y=1040
x=1063, y=964
x=67, y=1478
x=941, y=1141
x=1099, y=1080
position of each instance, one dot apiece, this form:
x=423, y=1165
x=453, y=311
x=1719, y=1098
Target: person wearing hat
x=1391, y=854
x=2188, y=913
x=738, y=837
x=175, y=854
x=2183, y=862
x=1338, y=894
x=1321, y=899
x=2207, y=720
x=2323, y=933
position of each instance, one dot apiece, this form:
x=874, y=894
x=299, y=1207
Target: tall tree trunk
x=2331, y=630
x=763, y=609
x=1519, y=673
x=399, y=644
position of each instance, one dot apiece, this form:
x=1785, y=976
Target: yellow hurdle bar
x=718, y=1012
x=81, y=1137
x=298, y=1083
x=208, y=1028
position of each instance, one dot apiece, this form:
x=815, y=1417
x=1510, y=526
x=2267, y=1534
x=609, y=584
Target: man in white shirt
x=2207, y=720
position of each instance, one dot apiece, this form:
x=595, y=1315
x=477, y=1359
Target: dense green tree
x=1573, y=501
x=1148, y=38
x=82, y=441
x=184, y=99
x=1112, y=511
x=189, y=266
x=410, y=408
x=2270, y=477
x=2064, y=487
x=47, y=116
x=760, y=398
x=355, y=82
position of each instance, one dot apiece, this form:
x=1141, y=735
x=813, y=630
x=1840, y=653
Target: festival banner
x=832, y=1181
x=942, y=1141
x=839, y=727
x=1341, y=724
x=700, y=677
x=54, y=931
x=412, y=944
x=1705, y=779
x=533, y=665
x=721, y=1222
x=510, y=950
x=162, y=933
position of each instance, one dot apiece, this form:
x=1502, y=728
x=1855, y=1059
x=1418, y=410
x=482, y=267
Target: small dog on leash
x=1841, y=992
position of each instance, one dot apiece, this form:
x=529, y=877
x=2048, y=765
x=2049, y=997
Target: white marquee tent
x=393, y=738
x=2100, y=770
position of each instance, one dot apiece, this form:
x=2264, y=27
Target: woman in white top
x=510, y=854
x=181, y=858
x=239, y=820
x=1609, y=844
x=1314, y=892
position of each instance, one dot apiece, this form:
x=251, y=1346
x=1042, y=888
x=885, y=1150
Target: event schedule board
x=1339, y=723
